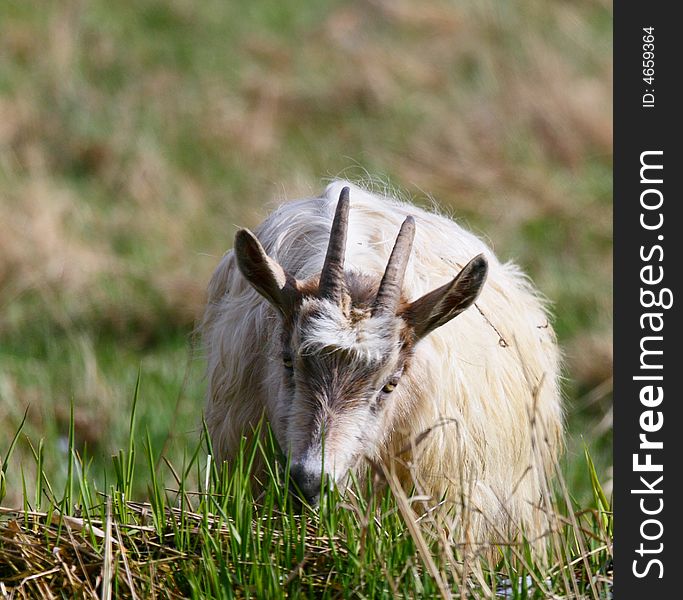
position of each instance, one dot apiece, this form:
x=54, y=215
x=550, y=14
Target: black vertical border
x=638, y=129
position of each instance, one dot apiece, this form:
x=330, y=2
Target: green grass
x=212, y=534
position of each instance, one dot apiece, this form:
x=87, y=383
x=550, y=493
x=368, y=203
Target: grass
x=211, y=536
x=136, y=136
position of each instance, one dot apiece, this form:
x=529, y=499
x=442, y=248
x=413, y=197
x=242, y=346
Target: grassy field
x=209, y=536
x=136, y=136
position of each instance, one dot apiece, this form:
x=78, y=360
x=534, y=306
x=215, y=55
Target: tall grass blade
x=8, y=455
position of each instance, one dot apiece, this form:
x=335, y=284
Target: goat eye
x=287, y=362
x=389, y=387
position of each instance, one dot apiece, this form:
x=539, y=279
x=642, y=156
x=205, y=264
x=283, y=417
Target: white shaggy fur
x=364, y=339
x=485, y=385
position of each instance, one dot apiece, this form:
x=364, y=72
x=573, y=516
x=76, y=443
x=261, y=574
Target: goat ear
x=265, y=275
x=439, y=306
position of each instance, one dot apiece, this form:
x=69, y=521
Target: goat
x=350, y=348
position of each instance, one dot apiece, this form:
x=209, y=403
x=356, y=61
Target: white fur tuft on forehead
x=325, y=328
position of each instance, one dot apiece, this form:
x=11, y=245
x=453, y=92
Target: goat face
x=347, y=340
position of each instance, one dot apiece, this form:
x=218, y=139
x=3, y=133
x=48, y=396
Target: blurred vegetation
x=135, y=136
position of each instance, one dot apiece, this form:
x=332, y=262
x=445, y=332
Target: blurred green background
x=136, y=136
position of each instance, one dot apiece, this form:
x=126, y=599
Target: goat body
x=350, y=355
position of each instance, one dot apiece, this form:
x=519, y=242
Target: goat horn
x=332, y=275
x=390, y=288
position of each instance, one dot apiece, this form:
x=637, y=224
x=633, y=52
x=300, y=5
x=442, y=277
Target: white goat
x=347, y=343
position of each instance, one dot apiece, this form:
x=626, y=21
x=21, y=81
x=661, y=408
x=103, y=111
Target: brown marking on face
x=406, y=332
x=310, y=286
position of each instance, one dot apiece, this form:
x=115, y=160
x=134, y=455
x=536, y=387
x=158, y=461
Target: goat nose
x=305, y=484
